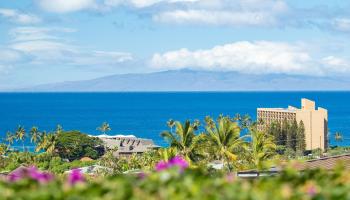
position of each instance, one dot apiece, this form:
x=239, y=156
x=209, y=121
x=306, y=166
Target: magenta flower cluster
x=30, y=173
x=176, y=161
x=33, y=173
x=75, y=177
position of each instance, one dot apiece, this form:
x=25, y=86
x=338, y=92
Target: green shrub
x=191, y=184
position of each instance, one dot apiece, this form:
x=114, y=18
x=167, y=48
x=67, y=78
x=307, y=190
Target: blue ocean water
x=145, y=114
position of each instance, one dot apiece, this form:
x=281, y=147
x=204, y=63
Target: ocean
x=144, y=114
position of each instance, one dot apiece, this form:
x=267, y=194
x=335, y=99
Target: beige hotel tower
x=315, y=121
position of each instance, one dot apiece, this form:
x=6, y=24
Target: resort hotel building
x=315, y=121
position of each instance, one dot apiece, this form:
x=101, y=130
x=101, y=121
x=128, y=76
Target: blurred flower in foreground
x=42, y=177
x=162, y=165
x=311, y=188
x=30, y=173
x=230, y=177
x=176, y=161
x=75, y=177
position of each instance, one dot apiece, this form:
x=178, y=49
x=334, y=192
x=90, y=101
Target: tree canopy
x=74, y=145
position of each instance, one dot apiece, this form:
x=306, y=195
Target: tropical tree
x=50, y=142
x=292, y=131
x=74, y=145
x=104, y=128
x=47, y=142
x=237, y=117
x=338, y=137
x=20, y=135
x=245, y=121
x=59, y=129
x=167, y=153
x=224, y=140
x=10, y=137
x=171, y=123
x=262, y=148
x=300, y=139
x=34, y=134
x=184, y=140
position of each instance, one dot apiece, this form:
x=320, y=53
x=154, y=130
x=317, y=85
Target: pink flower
x=75, y=177
x=17, y=174
x=176, y=161
x=41, y=177
x=230, y=177
x=31, y=173
x=141, y=175
x=311, y=189
x=162, y=165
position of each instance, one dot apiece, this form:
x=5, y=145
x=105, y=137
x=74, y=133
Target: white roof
x=114, y=136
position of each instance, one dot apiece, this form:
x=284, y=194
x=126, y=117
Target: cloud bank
x=231, y=13
x=260, y=57
x=46, y=46
x=19, y=17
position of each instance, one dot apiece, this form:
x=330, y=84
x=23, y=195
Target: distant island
x=190, y=80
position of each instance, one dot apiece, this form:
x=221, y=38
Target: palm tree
x=246, y=121
x=20, y=135
x=34, y=135
x=41, y=143
x=171, y=123
x=104, y=127
x=237, y=117
x=167, y=153
x=10, y=137
x=50, y=142
x=47, y=142
x=184, y=140
x=262, y=148
x=224, y=139
x=59, y=129
x=338, y=137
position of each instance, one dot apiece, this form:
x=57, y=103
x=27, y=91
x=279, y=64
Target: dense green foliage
x=236, y=143
x=73, y=145
x=192, y=184
x=289, y=136
x=44, y=161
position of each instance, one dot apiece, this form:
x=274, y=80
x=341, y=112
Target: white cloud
x=7, y=56
x=105, y=58
x=18, y=17
x=225, y=12
x=246, y=57
x=41, y=45
x=342, y=24
x=143, y=3
x=37, y=33
x=216, y=17
x=63, y=6
x=336, y=64
x=46, y=46
x=213, y=12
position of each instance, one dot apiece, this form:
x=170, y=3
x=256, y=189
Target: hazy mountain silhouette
x=188, y=80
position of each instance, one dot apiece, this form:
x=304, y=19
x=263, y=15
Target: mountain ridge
x=190, y=80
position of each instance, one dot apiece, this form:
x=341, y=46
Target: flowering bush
x=176, y=161
x=170, y=184
x=30, y=173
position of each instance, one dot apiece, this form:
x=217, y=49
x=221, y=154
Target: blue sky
x=45, y=41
